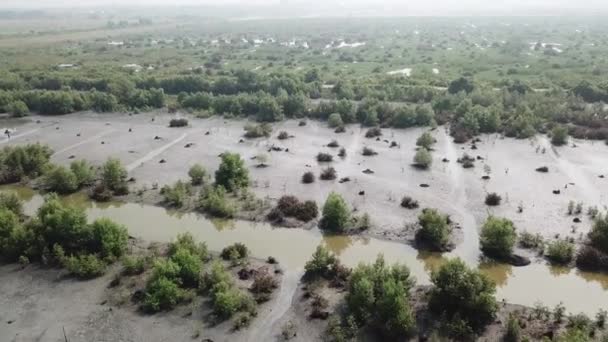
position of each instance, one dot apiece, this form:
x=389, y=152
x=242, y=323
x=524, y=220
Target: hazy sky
x=539, y=7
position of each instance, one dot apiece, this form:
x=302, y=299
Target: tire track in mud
x=267, y=330
x=154, y=153
x=26, y=133
x=573, y=172
x=86, y=141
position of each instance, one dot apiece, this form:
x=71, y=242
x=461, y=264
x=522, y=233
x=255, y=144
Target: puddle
x=579, y=291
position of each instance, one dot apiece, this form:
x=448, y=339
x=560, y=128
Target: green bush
x=531, y=241
x=109, y=238
x=497, y=237
x=11, y=202
x=83, y=248
x=197, y=174
x=18, y=109
x=435, y=231
x=235, y=251
x=215, y=203
x=322, y=265
x=17, y=162
x=114, y=177
x=461, y=293
x=423, y=159
x=560, y=252
x=60, y=180
x=83, y=171
x=186, y=241
x=232, y=173
x=425, y=140
x=379, y=295
x=335, y=120
x=513, y=333
x=258, y=131
x=86, y=266
x=176, y=195
x=9, y=223
x=336, y=215
x=227, y=302
x=559, y=136
x=189, y=267
x=134, y=265
x=162, y=294
x=591, y=258
x=599, y=233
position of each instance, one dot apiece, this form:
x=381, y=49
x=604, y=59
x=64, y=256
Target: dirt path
x=267, y=330
x=469, y=249
x=154, y=153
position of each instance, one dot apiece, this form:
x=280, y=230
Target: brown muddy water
x=537, y=283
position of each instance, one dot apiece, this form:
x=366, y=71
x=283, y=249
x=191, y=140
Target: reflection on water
x=579, y=291
x=498, y=272
x=558, y=270
x=431, y=260
x=222, y=224
x=337, y=243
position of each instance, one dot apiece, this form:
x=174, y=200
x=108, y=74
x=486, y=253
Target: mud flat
x=510, y=165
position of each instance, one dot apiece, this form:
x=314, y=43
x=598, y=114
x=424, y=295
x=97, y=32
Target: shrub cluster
x=493, y=199
x=373, y=132
x=464, y=297
x=171, y=278
x=336, y=214
x=62, y=180
x=308, y=177
x=60, y=234
x=27, y=161
x=232, y=173
x=435, y=230
x=237, y=251
x=560, y=252
x=378, y=296
x=226, y=298
x=197, y=174
x=180, y=122
x=258, y=131
x=176, y=195
x=328, y=174
x=325, y=265
x=497, y=237
x=368, y=151
x=409, y=203
x=214, y=201
x=290, y=206
x=426, y=141
x=113, y=181
x=423, y=158
x=324, y=157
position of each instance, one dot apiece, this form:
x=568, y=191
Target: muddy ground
x=40, y=305
x=46, y=304
x=575, y=171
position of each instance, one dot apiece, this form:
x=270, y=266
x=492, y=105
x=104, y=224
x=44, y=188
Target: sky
x=426, y=7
